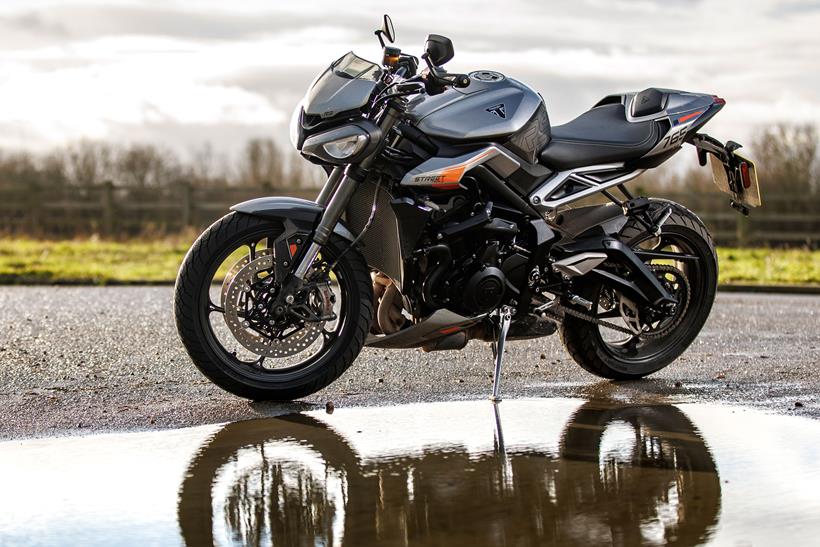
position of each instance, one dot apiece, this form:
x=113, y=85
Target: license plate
x=746, y=195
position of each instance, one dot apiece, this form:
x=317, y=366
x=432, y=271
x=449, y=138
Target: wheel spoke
x=252, y=248
x=214, y=308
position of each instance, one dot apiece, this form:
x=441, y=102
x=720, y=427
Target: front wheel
x=242, y=338
x=647, y=341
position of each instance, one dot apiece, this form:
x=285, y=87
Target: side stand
x=504, y=318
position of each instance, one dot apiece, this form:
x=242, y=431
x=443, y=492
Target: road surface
x=81, y=359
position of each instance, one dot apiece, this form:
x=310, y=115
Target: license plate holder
x=744, y=188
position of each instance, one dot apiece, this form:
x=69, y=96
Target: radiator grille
x=380, y=245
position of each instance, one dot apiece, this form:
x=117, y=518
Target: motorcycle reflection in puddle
x=295, y=481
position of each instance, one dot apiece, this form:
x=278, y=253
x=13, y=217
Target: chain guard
x=647, y=334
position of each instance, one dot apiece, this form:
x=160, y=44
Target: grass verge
x=97, y=262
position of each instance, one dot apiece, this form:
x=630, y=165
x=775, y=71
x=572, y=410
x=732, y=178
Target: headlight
x=345, y=144
x=345, y=147
x=295, y=125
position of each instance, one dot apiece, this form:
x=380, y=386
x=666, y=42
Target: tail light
x=744, y=174
x=718, y=100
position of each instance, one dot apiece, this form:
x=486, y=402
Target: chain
x=585, y=317
x=592, y=319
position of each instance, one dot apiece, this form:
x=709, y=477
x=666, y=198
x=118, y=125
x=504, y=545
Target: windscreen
x=353, y=67
x=346, y=85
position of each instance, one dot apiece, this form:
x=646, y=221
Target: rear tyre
x=635, y=356
x=253, y=369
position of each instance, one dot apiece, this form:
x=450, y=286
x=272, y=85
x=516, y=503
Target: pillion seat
x=600, y=135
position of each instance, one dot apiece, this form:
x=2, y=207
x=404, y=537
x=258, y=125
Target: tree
x=146, y=166
x=261, y=164
x=89, y=163
x=786, y=157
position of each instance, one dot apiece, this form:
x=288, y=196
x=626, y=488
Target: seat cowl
x=600, y=135
x=647, y=102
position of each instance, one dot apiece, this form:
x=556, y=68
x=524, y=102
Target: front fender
x=301, y=213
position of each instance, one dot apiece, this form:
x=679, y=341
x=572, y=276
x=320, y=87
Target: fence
x=783, y=220
x=116, y=211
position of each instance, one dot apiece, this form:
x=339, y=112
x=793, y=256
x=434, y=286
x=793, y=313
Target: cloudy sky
x=180, y=73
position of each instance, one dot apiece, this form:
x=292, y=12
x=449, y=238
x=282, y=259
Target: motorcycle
x=446, y=217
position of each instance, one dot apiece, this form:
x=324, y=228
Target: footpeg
x=579, y=301
x=503, y=319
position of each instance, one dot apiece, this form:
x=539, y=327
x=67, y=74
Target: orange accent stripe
x=293, y=249
x=451, y=175
x=689, y=116
x=450, y=330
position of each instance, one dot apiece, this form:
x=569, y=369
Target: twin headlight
x=346, y=144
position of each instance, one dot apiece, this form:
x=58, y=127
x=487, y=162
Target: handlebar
x=437, y=80
x=459, y=80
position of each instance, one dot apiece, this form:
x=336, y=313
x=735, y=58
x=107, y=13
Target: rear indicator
x=744, y=174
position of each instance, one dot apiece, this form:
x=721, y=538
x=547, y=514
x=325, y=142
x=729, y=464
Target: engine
x=468, y=268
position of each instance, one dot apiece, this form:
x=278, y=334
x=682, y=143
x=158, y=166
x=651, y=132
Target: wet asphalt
x=75, y=360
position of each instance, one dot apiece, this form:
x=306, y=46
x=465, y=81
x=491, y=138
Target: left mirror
x=388, y=30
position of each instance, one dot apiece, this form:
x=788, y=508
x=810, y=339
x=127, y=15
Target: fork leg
x=504, y=320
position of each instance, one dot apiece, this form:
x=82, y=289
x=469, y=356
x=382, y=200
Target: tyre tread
x=579, y=337
x=195, y=265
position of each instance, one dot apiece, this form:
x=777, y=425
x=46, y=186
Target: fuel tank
x=492, y=107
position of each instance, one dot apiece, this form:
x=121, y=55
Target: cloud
x=184, y=72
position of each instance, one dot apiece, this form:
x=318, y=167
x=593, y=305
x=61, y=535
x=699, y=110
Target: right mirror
x=439, y=49
x=388, y=30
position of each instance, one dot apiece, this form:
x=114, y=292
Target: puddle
x=537, y=471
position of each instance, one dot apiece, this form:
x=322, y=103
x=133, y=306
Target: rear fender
x=581, y=222
x=298, y=215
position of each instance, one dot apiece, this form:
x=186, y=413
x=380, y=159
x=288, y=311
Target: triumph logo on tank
x=498, y=110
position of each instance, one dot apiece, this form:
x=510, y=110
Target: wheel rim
x=640, y=350
x=241, y=360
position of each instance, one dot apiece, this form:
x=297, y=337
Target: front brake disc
x=236, y=291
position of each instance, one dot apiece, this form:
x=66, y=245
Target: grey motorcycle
x=451, y=212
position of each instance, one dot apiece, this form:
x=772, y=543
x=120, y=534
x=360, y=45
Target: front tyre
x=654, y=342
x=228, y=326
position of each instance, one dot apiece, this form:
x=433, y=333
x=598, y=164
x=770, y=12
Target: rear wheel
x=646, y=341
x=242, y=339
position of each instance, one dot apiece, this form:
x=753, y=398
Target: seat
x=600, y=135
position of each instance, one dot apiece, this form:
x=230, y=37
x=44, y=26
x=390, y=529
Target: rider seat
x=600, y=135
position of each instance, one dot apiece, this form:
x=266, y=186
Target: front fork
x=337, y=192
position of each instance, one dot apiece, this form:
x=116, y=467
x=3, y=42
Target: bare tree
x=786, y=156
x=146, y=166
x=261, y=164
x=19, y=168
x=89, y=163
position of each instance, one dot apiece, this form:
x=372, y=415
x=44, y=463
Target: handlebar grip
x=461, y=80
